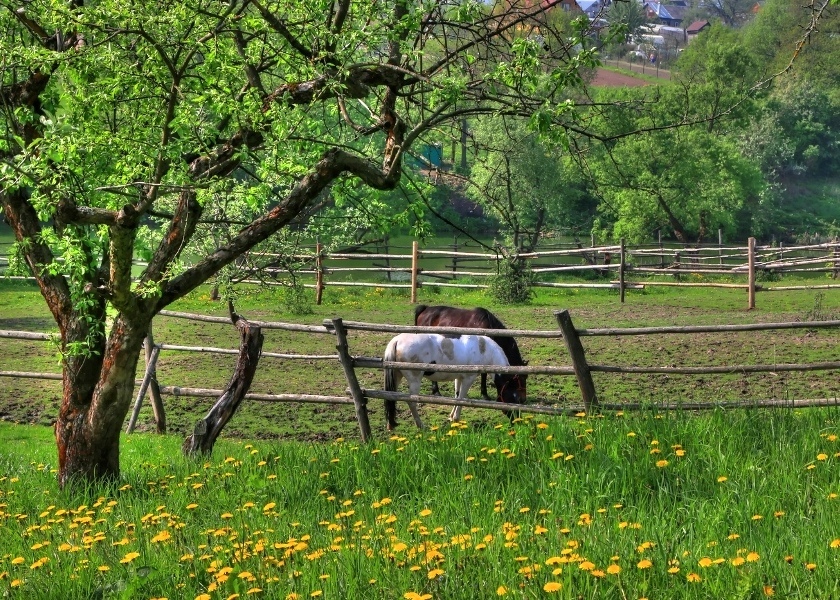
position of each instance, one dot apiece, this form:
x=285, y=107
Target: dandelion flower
x=769, y=591
x=129, y=557
x=501, y=590
x=613, y=569
x=552, y=586
x=752, y=557
x=662, y=463
x=693, y=577
x=644, y=564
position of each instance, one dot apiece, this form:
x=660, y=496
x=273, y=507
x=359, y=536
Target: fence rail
x=358, y=396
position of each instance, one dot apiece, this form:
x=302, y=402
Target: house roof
x=669, y=12
x=696, y=27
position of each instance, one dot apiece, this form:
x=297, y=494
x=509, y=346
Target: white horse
x=433, y=348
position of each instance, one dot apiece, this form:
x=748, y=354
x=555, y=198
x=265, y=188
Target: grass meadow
x=732, y=504
x=628, y=505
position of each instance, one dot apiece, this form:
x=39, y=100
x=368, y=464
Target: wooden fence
x=581, y=369
x=676, y=262
x=415, y=267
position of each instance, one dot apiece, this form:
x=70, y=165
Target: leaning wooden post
x=582, y=372
x=319, y=273
x=414, y=270
x=621, y=271
x=154, y=388
x=350, y=373
x=751, y=275
x=150, y=371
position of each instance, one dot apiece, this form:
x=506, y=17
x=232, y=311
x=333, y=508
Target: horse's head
x=511, y=389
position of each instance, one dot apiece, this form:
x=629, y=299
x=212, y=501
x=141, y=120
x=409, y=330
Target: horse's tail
x=390, y=382
x=417, y=310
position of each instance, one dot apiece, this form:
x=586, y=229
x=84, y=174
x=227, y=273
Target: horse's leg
x=462, y=386
x=414, y=390
x=484, y=393
x=435, y=389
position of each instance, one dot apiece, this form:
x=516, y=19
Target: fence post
x=582, y=372
x=622, y=258
x=150, y=370
x=319, y=273
x=836, y=253
x=661, y=250
x=751, y=275
x=414, y=271
x=720, y=246
x=350, y=373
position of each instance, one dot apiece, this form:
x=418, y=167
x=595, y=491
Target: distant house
x=695, y=28
x=665, y=13
x=591, y=8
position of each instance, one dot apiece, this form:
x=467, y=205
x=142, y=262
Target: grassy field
x=720, y=505
x=650, y=504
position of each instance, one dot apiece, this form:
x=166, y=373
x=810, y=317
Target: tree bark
x=207, y=430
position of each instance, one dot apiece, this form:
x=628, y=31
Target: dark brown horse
x=478, y=318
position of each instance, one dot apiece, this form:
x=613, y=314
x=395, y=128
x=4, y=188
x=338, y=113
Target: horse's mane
x=490, y=319
x=417, y=310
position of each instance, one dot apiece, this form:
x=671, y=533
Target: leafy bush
x=512, y=285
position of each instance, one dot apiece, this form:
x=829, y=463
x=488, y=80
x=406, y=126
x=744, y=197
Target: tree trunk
x=207, y=430
x=96, y=400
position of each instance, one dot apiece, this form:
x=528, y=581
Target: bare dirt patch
x=607, y=78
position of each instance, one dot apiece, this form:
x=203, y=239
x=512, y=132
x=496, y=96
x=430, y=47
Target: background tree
x=524, y=183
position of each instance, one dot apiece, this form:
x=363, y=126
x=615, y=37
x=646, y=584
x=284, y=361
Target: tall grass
x=721, y=505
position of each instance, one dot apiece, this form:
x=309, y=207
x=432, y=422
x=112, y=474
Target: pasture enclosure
x=355, y=390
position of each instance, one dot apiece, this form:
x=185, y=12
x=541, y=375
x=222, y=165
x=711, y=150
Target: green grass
x=745, y=501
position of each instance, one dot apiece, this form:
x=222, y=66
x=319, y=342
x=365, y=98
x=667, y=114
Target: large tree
x=124, y=121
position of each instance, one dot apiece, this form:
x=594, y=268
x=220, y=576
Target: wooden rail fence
x=358, y=396
x=409, y=269
x=675, y=261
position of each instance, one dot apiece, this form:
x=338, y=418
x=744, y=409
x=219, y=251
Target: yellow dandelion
x=810, y=566
x=552, y=586
x=737, y=561
x=705, y=562
x=644, y=564
x=613, y=569
x=435, y=573
x=161, y=537
x=722, y=478
x=501, y=590
x=693, y=577
x=18, y=560
x=769, y=591
x=752, y=557
x=835, y=543
x=425, y=512
x=662, y=463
